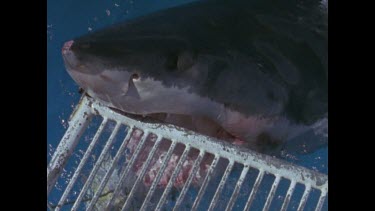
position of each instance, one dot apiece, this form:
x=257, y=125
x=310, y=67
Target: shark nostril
x=86, y=45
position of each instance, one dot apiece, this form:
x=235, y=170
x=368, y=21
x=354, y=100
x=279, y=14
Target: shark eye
x=135, y=76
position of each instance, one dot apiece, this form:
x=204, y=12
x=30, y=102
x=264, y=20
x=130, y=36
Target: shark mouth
x=199, y=124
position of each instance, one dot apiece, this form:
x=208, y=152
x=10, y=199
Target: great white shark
x=254, y=72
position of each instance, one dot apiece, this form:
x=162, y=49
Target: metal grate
x=207, y=173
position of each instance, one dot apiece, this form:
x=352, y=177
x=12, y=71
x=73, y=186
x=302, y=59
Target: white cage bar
x=250, y=160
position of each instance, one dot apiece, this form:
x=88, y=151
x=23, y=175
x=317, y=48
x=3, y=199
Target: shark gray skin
x=254, y=70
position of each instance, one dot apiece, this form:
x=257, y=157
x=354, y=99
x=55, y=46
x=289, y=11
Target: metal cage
x=257, y=178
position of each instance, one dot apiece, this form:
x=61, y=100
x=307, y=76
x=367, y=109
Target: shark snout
x=69, y=57
x=66, y=48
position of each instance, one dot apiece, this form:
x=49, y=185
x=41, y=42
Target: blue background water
x=71, y=18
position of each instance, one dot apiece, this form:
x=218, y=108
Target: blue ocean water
x=70, y=18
